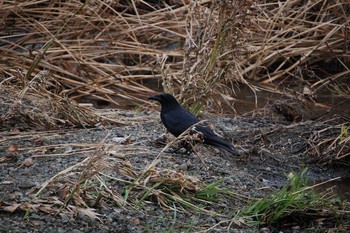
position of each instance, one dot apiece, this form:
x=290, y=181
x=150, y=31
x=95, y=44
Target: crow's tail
x=211, y=138
x=220, y=143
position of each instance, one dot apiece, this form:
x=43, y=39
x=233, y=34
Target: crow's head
x=166, y=100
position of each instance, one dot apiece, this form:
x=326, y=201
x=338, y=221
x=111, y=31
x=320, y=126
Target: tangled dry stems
x=37, y=105
x=108, y=177
x=331, y=143
x=200, y=50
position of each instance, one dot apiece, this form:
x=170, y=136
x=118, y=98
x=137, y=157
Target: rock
x=296, y=229
x=265, y=181
x=189, y=164
x=264, y=230
x=183, y=167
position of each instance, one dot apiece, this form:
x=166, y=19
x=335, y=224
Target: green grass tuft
x=295, y=198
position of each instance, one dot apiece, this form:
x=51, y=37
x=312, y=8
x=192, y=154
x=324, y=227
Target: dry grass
x=108, y=178
x=199, y=50
x=331, y=144
x=37, y=105
x=94, y=49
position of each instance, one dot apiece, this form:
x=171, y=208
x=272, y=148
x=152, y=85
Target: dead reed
x=199, y=50
x=331, y=143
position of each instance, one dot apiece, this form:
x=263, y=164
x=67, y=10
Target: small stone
x=183, y=167
x=18, y=195
x=264, y=230
x=268, y=169
x=265, y=181
x=25, y=199
x=35, y=216
x=189, y=164
x=296, y=229
x=65, y=221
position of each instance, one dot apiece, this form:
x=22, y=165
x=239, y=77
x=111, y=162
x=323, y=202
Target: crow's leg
x=188, y=146
x=183, y=144
x=175, y=150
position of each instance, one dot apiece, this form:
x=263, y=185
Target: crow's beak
x=155, y=97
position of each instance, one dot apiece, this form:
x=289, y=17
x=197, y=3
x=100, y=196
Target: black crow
x=177, y=120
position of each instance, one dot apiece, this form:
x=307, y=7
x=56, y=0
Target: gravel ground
x=271, y=150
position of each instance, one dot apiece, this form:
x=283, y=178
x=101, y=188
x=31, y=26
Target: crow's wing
x=178, y=120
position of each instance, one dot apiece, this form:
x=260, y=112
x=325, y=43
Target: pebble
x=183, y=167
x=115, y=223
x=35, y=216
x=76, y=231
x=264, y=230
x=296, y=229
x=25, y=199
x=189, y=164
x=265, y=181
x=60, y=230
x=18, y=195
x=65, y=220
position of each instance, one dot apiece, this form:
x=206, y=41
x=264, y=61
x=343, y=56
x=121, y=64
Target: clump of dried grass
x=101, y=181
x=37, y=105
x=215, y=36
x=331, y=144
x=279, y=46
x=108, y=178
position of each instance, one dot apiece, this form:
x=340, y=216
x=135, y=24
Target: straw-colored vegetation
x=200, y=49
x=37, y=104
x=102, y=180
x=331, y=144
